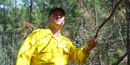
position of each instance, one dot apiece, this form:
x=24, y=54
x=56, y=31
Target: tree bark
x=4, y=28
x=128, y=38
x=15, y=11
x=31, y=10
x=95, y=13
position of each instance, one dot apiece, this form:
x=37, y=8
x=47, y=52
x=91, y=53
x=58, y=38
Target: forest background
x=18, y=18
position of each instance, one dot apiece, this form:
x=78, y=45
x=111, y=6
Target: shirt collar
x=48, y=31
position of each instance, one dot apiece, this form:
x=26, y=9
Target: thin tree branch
x=120, y=59
x=119, y=28
x=107, y=18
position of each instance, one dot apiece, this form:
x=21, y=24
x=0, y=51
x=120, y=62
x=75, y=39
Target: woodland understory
x=107, y=20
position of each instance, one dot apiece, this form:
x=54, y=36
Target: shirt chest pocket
x=45, y=55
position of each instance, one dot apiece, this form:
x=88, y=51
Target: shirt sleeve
x=26, y=50
x=77, y=55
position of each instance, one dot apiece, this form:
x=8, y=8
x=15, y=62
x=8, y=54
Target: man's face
x=56, y=19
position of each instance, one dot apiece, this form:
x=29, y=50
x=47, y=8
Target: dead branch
x=107, y=18
x=120, y=59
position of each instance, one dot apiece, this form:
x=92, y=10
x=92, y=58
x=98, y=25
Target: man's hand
x=91, y=43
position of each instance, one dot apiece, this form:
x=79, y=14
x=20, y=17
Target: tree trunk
x=4, y=29
x=15, y=11
x=31, y=10
x=128, y=19
x=95, y=13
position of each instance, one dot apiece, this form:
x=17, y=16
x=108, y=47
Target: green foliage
x=82, y=17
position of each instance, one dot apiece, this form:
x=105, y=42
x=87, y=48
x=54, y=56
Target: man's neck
x=55, y=31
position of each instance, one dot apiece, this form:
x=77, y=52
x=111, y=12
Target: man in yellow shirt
x=49, y=47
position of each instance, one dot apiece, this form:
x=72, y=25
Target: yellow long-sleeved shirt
x=41, y=48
